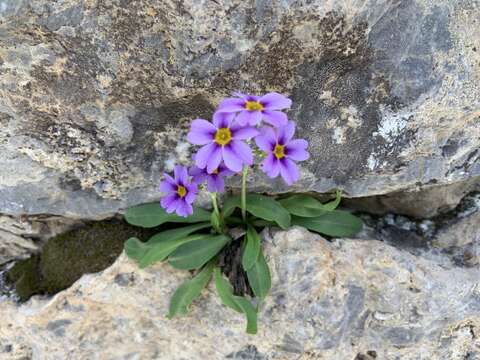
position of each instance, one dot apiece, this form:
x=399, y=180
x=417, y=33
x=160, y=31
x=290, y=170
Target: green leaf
x=252, y=248
x=250, y=312
x=225, y=291
x=188, y=291
x=303, y=205
x=135, y=249
x=237, y=303
x=169, y=235
x=334, y=223
x=151, y=215
x=230, y=204
x=332, y=205
x=308, y=206
x=159, y=246
x=194, y=254
x=259, y=277
x=261, y=206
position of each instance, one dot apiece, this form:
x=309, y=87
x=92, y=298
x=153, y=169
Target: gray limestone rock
x=96, y=96
x=346, y=299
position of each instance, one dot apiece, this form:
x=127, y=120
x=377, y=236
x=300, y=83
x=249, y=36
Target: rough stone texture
x=19, y=237
x=96, y=95
x=426, y=202
x=346, y=299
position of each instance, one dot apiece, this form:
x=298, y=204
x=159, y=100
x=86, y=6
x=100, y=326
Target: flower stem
x=218, y=226
x=244, y=193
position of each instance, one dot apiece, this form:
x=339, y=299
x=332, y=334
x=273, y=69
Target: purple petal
x=170, y=179
x=243, y=132
x=172, y=204
x=251, y=118
x=267, y=140
x=184, y=209
x=243, y=151
x=232, y=160
x=203, y=155
x=192, y=191
x=168, y=200
x=249, y=97
x=214, y=160
x=275, y=118
x=231, y=105
x=224, y=171
x=167, y=187
x=195, y=171
x=181, y=174
x=289, y=171
x=296, y=150
x=198, y=175
x=215, y=183
x=201, y=132
x=275, y=101
x=222, y=120
x=285, y=133
x=271, y=166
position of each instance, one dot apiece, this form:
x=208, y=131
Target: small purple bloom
x=215, y=182
x=221, y=140
x=282, y=151
x=251, y=109
x=180, y=192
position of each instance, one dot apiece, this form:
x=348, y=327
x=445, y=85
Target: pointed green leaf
x=303, y=205
x=262, y=207
x=237, y=303
x=151, y=215
x=259, y=277
x=252, y=248
x=188, y=291
x=169, y=235
x=194, y=254
x=307, y=206
x=250, y=312
x=160, y=250
x=225, y=291
x=334, y=223
x=332, y=205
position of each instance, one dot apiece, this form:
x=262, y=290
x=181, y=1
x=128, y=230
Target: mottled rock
x=422, y=202
x=346, y=299
x=19, y=237
x=96, y=96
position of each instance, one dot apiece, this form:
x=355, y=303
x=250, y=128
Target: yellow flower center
x=279, y=151
x=223, y=136
x=253, y=106
x=215, y=171
x=181, y=191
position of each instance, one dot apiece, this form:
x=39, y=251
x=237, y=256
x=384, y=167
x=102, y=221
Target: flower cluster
x=225, y=150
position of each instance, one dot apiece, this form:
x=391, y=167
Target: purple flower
x=215, y=182
x=252, y=108
x=180, y=192
x=282, y=151
x=222, y=140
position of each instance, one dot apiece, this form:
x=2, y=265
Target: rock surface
x=346, y=299
x=95, y=96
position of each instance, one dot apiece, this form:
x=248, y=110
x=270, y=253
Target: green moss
x=66, y=257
